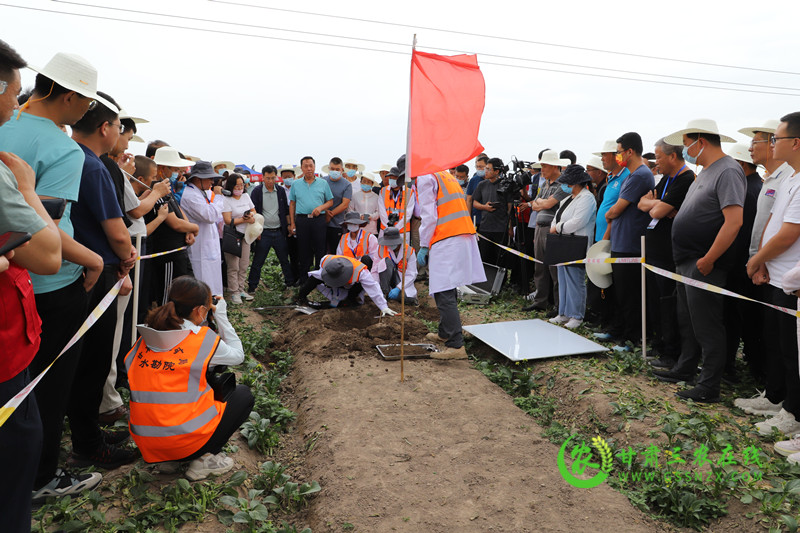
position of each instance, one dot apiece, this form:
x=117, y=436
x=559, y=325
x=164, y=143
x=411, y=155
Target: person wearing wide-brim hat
x=365, y=201
x=204, y=207
x=353, y=169
x=391, y=201
x=343, y=280
x=358, y=243
x=575, y=216
x=393, y=263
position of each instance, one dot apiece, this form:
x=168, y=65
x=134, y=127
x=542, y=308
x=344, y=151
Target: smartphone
x=55, y=207
x=12, y=239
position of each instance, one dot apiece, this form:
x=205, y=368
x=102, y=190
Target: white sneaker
x=788, y=447
x=209, y=465
x=784, y=422
x=244, y=296
x=531, y=297
x=558, y=320
x=236, y=298
x=573, y=323
x=758, y=405
x=794, y=458
x=66, y=483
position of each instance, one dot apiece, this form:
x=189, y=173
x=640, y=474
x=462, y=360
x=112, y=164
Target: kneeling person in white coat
x=394, y=262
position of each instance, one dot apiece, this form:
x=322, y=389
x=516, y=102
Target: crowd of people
x=93, y=213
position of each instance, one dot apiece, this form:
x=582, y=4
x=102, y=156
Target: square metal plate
x=411, y=351
x=533, y=339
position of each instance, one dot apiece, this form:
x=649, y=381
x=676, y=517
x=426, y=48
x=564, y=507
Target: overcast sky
x=255, y=100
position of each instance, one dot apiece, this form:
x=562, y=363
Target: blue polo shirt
x=628, y=228
x=308, y=196
x=610, y=198
x=57, y=161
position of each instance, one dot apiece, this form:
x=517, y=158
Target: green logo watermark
x=665, y=466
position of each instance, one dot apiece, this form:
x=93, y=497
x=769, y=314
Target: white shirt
x=766, y=198
x=411, y=270
x=578, y=217
x=786, y=209
x=205, y=253
x=237, y=207
x=131, y=202
x=337, y=294
x=453, y=262
x=409, y=206
x=372, y=249
x=366, y=203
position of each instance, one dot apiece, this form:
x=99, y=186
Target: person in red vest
x=395, y=262
x=391, y=205
x=358, y=243
x=174, y=415
x=342, y=280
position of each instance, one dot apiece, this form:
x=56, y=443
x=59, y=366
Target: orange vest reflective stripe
x=452, y=217
x=362, y=245
x=172, y=407
x=383, y=251
x=358, y=266
x=394, y=206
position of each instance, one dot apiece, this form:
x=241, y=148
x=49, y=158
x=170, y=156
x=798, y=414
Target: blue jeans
x=572, y=291
x=277, y=241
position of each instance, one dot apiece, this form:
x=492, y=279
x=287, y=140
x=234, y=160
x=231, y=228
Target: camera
x=210, y=316
x=222, y=383
x=393, y=218
x=513, y=181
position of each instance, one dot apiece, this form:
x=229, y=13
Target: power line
x=336, y=45
x=389, y=43
x=496, y=37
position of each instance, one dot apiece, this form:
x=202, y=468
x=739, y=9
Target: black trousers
x=744, y=321
x=449, y=318
x=332, y=237
x=62, y=312
x=628, y=292
x=165, y=268
x=92, y=370
x=21, y=445
x=237, y=410
x=780, y=343
x=294, y=260
x=662, y=310
x=311, y=234
x=490, y=252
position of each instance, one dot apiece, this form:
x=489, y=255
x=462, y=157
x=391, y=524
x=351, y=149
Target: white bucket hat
x=608, y=146
x=374, y=179
x=167, y=156
x=228, y=165
x=361, y=168
x=383, y=168
x=740, y=152
x=136, y=120
x=596, y=162
x=254, y=229
x=768, y=127
x=284, y=168
x=73, y=72
x=599, y=273
x=550, y=157
x=698, y=125
x=135, y=138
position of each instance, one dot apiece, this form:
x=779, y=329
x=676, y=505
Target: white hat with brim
x=167, y=156
x=254, y=229
x=370, y=176
x=595, y=162
x=227, y=164
x=135, y=138
x=740, y=152
x=550, y=157
x=383, y=168
x=535, y=165
x=359, y=166
x=768, y=127
x=136, y=120
x=608, y=146
x=698, y=125
x=599, y=273
x=73, y=72
x=286, y=168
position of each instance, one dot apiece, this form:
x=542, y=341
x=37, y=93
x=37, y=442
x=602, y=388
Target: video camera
x=511, y=182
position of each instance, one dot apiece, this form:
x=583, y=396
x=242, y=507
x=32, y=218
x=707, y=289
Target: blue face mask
x=335, y=175
x=392, y=183
x=351, y=173
x=462, y=182
x=288, y=182
x=366, y=188
x=246, y=181
x=687, y=157
x=566, y=188
x=480, y=173
x=174, y=176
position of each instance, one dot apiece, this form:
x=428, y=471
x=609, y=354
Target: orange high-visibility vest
x=172, y=407
x=383, y=251
x=358, y=266
x=452, y=217
x=394, y=206
x=362, y=246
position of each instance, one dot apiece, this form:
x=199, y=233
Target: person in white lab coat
x=204, y=208
x=394, y=263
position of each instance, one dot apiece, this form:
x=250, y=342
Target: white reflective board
x=533, y=339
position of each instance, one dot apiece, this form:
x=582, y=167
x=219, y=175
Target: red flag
x=446, y=103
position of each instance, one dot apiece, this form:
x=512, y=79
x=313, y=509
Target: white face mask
x=352, y=228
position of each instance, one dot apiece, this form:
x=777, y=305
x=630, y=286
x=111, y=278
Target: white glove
x=388, y=312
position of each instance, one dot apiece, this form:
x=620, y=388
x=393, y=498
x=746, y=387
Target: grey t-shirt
x=546, y=190
x=341, y=189
x=494, y=221
x=700, y=218
x=16, y=214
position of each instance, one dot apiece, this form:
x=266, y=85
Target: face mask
x=288, y=182
x=246, y=181
x=335, y=175
x=351, y=173
x=174, y=176
x=462, y=182
x=366, y=188
x=687, y=157
x=392, y=183
x=237, y=192
x=566, y=188
x=620, y=161
x=480, y=173
x=352, y=228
